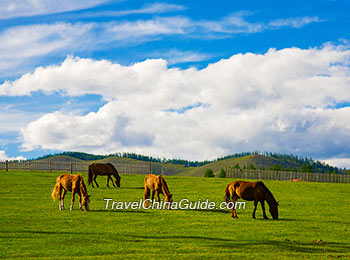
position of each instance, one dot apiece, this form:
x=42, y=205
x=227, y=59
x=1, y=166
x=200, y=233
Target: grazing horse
x=103, y=169
x=157, y=185
x=251, y=191
x=74, y=184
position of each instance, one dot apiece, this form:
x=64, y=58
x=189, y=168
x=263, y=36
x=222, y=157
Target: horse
x=103, y=169
x=74, y=184
x=157, y=185
x=251, y=191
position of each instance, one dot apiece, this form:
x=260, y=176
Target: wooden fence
x=146, y=168
x=287, y=176
x=70, y=167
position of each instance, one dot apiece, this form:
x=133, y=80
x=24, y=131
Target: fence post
x=71, y=168
x=7, y=165
x=150, y=168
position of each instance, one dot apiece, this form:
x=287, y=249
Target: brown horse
x=157, y=185
x=74, y=184
x=251, y=191
x=103, y=169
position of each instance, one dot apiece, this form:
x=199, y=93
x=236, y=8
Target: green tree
x=236, y=166
x=276, y=167
x=251, y=167
x=208, y=173
x=222, y=173
x=306, y=168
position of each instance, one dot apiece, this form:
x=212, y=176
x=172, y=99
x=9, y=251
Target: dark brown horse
x=157, y=185
x=251, y=191
x=103, y=169
x=74, y=184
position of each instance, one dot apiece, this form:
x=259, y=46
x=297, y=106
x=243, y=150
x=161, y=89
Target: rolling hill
x=174, y=167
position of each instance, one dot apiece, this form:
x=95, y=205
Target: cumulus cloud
x=283, y=100
x=4, y=157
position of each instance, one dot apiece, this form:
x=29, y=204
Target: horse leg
x=96, y=181
x=255, y=204
x=60, y=198
x=113, y=181
x=73, y=195
x=108, y=180
x=81, y=208
x=233, y=211
x=63, y=194
x=92, y=181
x=262, y=202
x=146, y=196
x=158, y=199
x=153, y=192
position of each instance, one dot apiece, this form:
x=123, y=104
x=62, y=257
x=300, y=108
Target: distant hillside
x=195, y=168
x=61, y=159
x=259, y=161
x=157, y=168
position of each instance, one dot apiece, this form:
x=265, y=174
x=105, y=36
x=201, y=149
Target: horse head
x=274, y=210
x=86, y=202
x=169, y=200
x=117, y=181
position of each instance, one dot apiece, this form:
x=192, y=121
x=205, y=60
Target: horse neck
x=164, y=186
x=83, y=190
x=270, y=199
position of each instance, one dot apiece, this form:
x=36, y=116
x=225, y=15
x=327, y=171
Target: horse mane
x=83, y=189
x=114, y=169
x=164, y=185
x=268, y=192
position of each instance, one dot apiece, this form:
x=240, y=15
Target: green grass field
x=314, y=222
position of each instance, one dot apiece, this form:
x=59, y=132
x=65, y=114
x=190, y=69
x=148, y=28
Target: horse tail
x=56, y=189
x=90, y=175
x=227, y=194
x=268, y=192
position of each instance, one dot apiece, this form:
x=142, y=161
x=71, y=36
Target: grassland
x=314, y=222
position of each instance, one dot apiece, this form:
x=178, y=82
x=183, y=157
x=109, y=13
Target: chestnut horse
x=103, y=169
x=74, y=184
x=251, y=191
x=157, y=185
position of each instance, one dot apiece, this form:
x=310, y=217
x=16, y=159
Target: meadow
x=314, y=222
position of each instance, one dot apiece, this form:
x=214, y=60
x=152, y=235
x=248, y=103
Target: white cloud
x=279, y=101
x=339, y=162
x=20, y=44
x=4, y=157
x=154, y=8
x=20, y=8
x=295, y=22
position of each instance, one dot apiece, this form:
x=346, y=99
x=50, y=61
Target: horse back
x=248, y=190
x=103, y=168
x=151, y=181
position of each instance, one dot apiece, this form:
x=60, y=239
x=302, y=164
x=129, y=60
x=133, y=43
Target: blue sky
x=185, y=79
